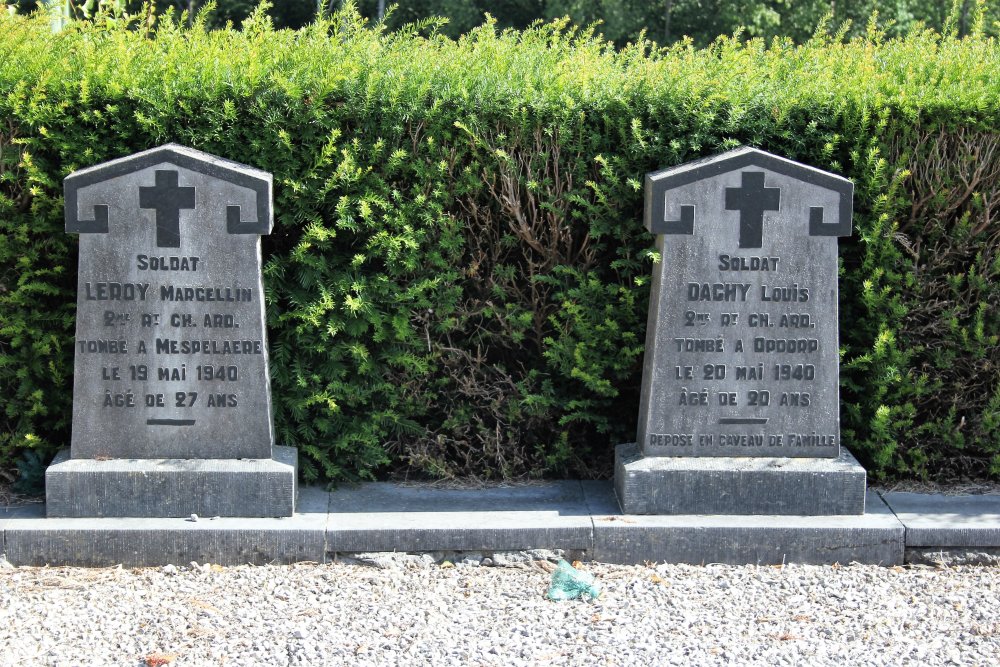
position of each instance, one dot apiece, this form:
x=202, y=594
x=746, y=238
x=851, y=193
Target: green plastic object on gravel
x=568, y=583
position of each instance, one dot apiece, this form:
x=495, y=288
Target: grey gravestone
x=171, y=366
x=742, y=343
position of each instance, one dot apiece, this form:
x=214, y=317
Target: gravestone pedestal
x=171, y=390
x=744, y=485
x=740, y=409
x=172, y=487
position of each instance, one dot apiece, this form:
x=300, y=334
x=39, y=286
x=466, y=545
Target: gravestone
x=171, y=391
x=739, y=410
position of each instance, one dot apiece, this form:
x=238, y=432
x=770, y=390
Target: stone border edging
x=581, y=518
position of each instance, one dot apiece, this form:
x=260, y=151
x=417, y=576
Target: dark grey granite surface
x=947, y=521
x=742, y=343
x=171, y=356
x=738, y=486
x=171, y=395
x=173, y=487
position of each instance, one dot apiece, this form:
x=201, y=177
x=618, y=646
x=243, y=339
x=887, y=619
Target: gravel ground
x=396, y=609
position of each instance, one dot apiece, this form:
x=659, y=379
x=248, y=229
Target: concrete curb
x=581, y=518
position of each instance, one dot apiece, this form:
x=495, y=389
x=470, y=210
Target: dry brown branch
x=518, y=230
x=947, y=170
x=952, y=237
x=10, y=158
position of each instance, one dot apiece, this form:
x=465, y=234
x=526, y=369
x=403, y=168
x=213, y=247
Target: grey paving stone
x=875, y=537
x=566, y=497
x=393, y=517
x=30, y=539
x=389, y=517
x=934, y=520
x=12, y=512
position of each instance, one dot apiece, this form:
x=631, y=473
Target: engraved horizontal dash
x=169, y=422
x=751, y=420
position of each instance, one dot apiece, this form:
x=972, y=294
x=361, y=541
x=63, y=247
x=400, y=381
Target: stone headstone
x=741, y=357
x=171, y=372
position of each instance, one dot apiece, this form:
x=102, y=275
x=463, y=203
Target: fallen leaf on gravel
x=544, y=566
x=200, y=631
x=159, y=659
x=201, y=604
x=986, y=630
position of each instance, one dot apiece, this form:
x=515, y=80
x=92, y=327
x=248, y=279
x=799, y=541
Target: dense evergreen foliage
x=620, y=21
x=667, y=21
x=457, y=281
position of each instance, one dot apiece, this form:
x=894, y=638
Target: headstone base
x=738, y=486
x=172, y=487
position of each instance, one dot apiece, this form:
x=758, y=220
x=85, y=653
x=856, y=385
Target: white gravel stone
x=398, y=609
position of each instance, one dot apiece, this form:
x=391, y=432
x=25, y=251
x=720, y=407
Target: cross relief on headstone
x=167, y=199
x=752, y=199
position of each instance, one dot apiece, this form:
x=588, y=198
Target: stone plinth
x=172, y=487
x=738, y=485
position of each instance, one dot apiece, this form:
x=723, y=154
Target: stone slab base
x=738, y=486
x=172, y=487
x=32, y=539
x=581, y=518
x=947, y=521
x=876, y=537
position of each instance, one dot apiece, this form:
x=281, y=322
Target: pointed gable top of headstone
x=84, y=217
x=753, y=197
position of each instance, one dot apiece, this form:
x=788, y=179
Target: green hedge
x=457, y=281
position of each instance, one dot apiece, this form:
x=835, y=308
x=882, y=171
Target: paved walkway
x=580, y=518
